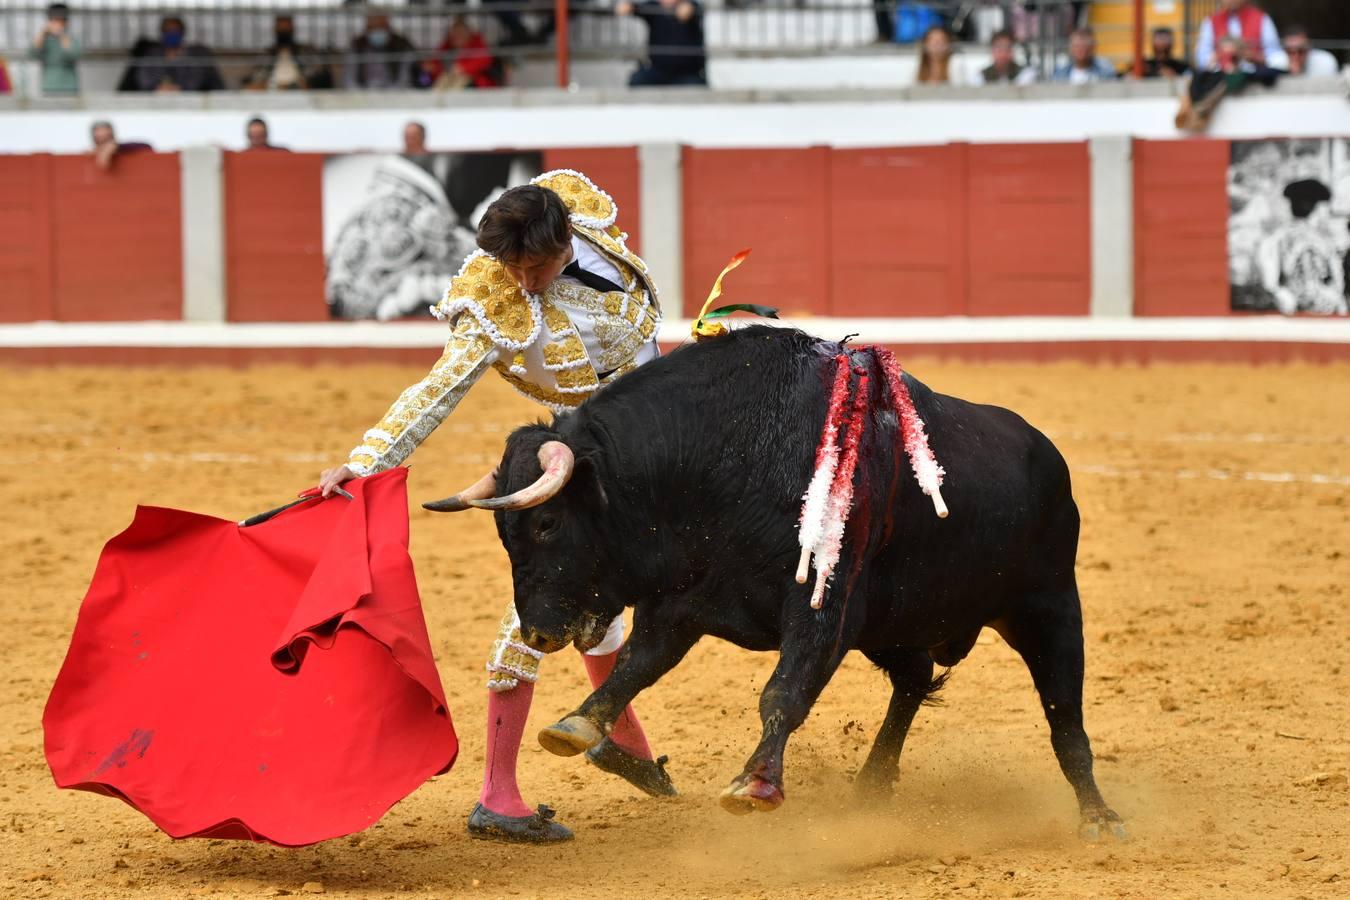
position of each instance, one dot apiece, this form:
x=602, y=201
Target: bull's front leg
x=812, y=648
x=656, y=646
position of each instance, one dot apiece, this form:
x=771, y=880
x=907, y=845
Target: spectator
x=464, y=61
x=1242, y=20
x=1084, y=66
x=1305, y=60
x=57, y=51
x=5, y=86
x=106, y=148
x=258, y=138
x=675, y=51
x=415, y=139
x=173, y=65
x=1004, y=69
x=935, y=57
x=290, y=65
x=380, y=58
x=1163, y=64
x=1229, y=73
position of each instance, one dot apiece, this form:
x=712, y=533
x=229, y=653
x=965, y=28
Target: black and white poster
x=1289, y=225
x=396, y=228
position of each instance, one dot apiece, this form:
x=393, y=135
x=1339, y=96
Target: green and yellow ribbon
x=703, y=327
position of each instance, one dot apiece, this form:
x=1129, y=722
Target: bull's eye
x=545, y=526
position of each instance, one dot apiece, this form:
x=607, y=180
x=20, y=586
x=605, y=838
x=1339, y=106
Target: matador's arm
x=419, y=409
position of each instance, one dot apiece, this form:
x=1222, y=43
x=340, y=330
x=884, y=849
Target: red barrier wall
x=1029, y=229
x=274, y=267
x=615, y=170
x=26, y=265
x=1181, y=228
x=82, y=244
x=773, y=201
x=906, y=231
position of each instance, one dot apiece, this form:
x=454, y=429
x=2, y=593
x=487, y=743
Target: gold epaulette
x=509, y=316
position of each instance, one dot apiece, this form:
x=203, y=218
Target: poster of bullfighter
x=1288, y=220
x=397, y=227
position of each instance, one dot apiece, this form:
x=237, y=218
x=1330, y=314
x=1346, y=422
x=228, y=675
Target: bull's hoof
x=751, y=794
x=1102, y=826
x=573, y=735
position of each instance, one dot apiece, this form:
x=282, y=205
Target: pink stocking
x=507, y=712
x=627, y=731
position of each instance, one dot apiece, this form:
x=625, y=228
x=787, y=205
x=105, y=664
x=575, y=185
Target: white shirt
x=590, y=259
x=1321, y=64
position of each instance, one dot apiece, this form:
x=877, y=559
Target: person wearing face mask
x=174, y=65
x=290, y=65
x=380, y=58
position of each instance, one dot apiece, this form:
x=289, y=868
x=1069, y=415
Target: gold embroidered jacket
x=534, y=341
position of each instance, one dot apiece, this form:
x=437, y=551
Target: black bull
x=684, y=502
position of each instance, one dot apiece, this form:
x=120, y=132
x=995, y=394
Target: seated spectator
x=290, y=65
x=172, y=65
x=1004, y=69
x=675, y=50
x=935, y=57
x=380, y=58
x=106, y=148
x=1084, y=66
x=258, y=138
x=1242, y=20
x=1163, y=64
x=57, y=51
x=463, y=60
x=1304, y=59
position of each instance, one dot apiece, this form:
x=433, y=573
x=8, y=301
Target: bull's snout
x=541, y=642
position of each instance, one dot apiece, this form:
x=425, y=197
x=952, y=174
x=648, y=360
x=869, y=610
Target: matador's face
x=534, y=274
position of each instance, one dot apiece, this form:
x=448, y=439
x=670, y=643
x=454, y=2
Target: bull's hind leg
x=911, y=675
x=1048, y=633
x=813, y=646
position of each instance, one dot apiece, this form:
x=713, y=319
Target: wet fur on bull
x=684, y=504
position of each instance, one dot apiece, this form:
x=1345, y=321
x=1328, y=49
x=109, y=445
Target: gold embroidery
x=577, y=378
x=553, y=399
x=420, y=408
x=486, y=283
x=579, y=197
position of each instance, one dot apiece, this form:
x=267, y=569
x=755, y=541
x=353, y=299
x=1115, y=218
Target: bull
x=677, y=491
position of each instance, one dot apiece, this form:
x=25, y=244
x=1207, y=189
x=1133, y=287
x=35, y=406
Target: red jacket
x=475, y=61
x=1249, y=18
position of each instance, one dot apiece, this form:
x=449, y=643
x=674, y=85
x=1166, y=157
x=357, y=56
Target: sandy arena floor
x=1216, y=581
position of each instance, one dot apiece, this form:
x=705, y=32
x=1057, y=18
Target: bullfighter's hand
x=331, y=478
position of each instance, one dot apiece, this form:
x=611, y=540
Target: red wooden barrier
x=26, y=264
x=274, y=266
x=773, y=201
x=898, y=231
x=1030, y=229
x=117, y=238
x=1181, y=228
x=82, y=244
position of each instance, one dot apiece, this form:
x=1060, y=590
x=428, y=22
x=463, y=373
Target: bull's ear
x=588, y=477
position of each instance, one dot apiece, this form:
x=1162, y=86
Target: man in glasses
x=1305, y=59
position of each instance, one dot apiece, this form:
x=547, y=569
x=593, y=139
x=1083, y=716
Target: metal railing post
x=562, y=42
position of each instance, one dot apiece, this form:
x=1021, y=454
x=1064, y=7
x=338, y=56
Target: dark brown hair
x=525, y=223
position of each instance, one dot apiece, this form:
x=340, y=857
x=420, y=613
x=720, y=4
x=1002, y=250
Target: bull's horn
x=557, y=461
x=481, y=489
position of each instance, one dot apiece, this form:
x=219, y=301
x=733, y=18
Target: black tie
x=590, y=279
